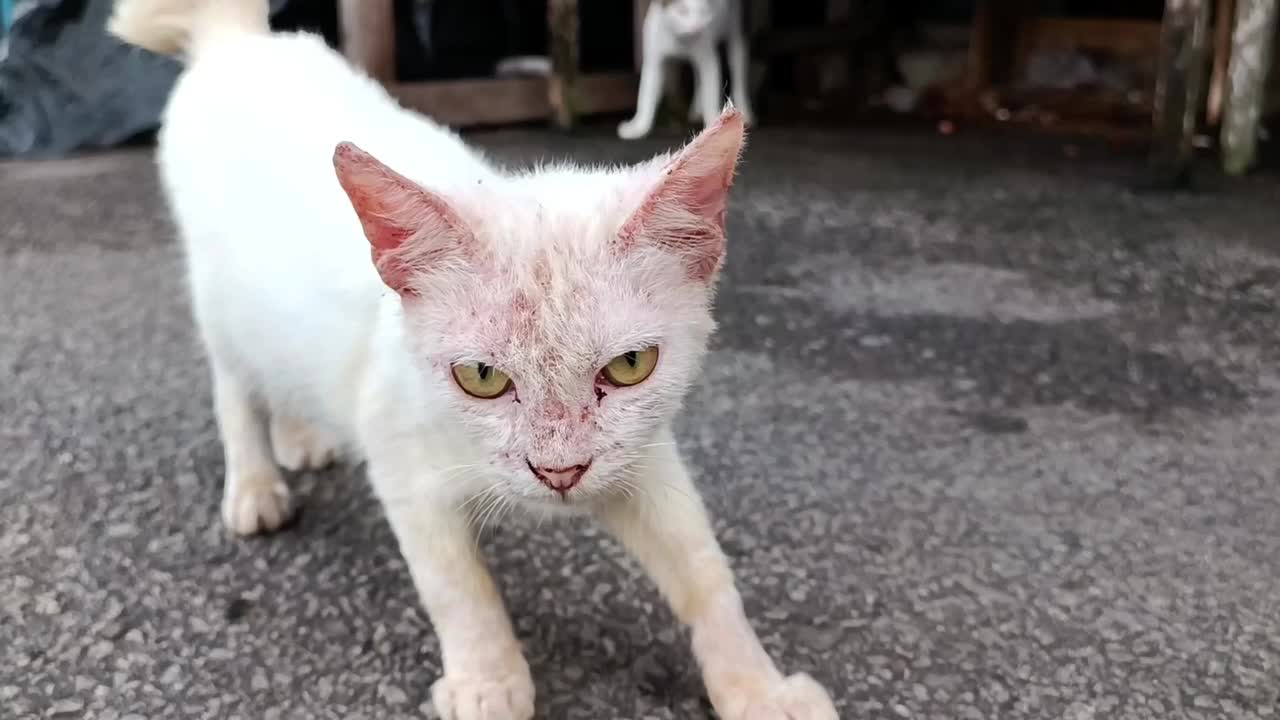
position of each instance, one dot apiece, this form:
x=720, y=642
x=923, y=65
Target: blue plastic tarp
x=66, y=85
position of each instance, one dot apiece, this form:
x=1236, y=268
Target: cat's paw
x=298, y=446
x=798, y=697
x=468, y=697
x=255, y=502
x=632, y=130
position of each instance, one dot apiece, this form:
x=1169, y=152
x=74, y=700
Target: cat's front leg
x=667, y=529
x=485, y=674
x=255, y=497
x=652, y=76
x=739, y=69
x=710, y=97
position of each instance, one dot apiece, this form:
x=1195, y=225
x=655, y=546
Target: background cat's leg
x=669, y=533
x=648, y=97
x=300, y=445
x=706, y=70
x=485, y=673
x=739, y=67
x=255, y=497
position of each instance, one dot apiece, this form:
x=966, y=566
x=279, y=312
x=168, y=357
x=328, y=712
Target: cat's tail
x=174, y=27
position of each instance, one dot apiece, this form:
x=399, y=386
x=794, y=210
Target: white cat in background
x=691, y=30
x=365, y=284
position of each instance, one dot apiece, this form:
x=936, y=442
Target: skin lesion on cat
x=691, y=31
x=484, y=341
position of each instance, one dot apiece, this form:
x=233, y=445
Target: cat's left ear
x=685, y=213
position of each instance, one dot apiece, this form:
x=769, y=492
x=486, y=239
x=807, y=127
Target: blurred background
x=1133, y=72
x=988, y=429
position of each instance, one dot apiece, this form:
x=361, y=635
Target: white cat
x=691, y=30
x=483, y=339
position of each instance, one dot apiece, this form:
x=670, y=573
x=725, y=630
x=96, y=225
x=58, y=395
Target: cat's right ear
x=409, y=228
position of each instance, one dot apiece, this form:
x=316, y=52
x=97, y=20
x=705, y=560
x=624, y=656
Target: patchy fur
x=345, y=254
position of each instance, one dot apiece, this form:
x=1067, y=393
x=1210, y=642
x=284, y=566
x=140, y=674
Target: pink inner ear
x=685, y=213
x=409, y=228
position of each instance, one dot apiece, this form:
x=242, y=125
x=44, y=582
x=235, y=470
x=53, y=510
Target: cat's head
x=685, y=18
x=564, y=312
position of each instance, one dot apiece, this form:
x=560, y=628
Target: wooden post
x=991, y=44
x=368, y=32
x=836, y=75
x=562, y=24
x=1179, y=88
x=1246, y=82
x=1223, y=19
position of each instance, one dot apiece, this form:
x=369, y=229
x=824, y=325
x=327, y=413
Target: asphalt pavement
x=986, y=433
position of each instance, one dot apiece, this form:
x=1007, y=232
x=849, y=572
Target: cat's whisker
x=482, y=502
x=508, y=507
x=490, y=509
x=482, y=494
x=457, y=471
x=624, y=483
x=634, y=491
x=455, y=467
x=625, y=474
x=683, y=493
x=628, y=488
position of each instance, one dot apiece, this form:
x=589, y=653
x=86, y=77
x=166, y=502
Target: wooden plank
x=369, y=36
x=1133, y=38
x=1136, y=41
x=490, y=101
x=461, y=103
x=600, y=93
x=1224, y=19
x=1252, y=45
x=562, y=28
x=836, y=35
x=1179, y=88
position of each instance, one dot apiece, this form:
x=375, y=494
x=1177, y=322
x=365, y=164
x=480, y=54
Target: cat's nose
x=561, y=480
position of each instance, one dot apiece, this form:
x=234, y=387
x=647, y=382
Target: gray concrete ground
x=986, y=434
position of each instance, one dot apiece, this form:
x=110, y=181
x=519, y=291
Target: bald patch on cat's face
x=579, y=270
x=552, y=324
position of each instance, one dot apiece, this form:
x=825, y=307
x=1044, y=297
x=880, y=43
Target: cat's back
x=282, y=282
x=248, y=138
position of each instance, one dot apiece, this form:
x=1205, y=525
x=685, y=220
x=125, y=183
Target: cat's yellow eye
x=483, y=381
x=631, y=368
